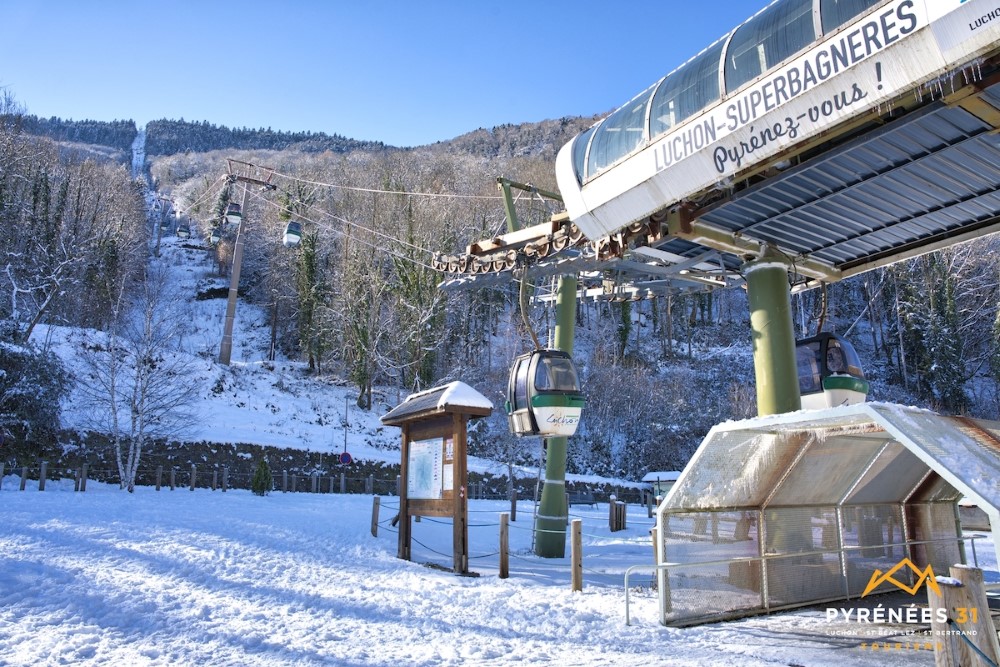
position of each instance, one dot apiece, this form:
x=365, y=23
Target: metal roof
x=923, y=179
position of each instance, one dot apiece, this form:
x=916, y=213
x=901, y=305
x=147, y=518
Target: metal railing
x=769, y=557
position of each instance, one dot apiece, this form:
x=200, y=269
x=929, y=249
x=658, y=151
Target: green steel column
x=550, y=522
x=773, y=335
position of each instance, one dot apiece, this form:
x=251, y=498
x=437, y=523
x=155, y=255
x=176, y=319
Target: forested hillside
x=357, y=301
x=166, y=137
x=118, y=134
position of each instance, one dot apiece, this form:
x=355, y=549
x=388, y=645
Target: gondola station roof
x=455, y=397
x=815, y=501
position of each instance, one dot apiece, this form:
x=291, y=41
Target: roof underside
x=924, y=178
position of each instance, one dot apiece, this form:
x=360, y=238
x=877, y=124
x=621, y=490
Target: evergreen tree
x=262, y=481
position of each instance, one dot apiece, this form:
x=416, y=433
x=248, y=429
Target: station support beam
x=550, y=521
x=773, y=334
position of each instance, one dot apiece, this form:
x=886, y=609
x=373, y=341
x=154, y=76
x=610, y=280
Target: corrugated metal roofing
x=923, y=178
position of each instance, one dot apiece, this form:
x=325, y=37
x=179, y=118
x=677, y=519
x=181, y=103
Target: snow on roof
x=455, y=396
x=460, y=394
x=662, y=476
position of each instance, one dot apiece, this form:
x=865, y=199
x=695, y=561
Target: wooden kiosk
x=433, y=462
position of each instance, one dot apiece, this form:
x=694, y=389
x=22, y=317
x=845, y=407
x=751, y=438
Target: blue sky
x=406, y=73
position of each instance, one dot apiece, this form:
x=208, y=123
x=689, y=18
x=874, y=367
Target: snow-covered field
x=202, y=577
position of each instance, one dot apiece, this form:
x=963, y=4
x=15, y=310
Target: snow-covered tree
x=137, y=382
x=32, y=384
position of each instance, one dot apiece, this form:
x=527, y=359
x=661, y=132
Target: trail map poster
x=425, y=480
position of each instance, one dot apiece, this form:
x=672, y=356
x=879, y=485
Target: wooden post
x=966, y=632
x=370, y=484
x=343, y=483
x=42, y=474
x=194, y=475
x=649, y=505
x=2, y=464
x=576, y=553
x=612, y=501
x=960, y=619
x=399, y=482
x=225, y=478
x=83, y=480
x=284, y=481
x=513, y=504
x=76, y=479
x=314, y=482
x=159, y=477
x=24, y=477
x=504, y=546
x=375, y=505
x=173, y=478
x=215, y=479
x=331, y=483
x=295, y=483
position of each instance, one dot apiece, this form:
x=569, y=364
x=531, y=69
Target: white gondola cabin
x=293, y=234
x=183, y=231
x=829, y=372
x=543, y=395
x=215, y=236
x=234, y=213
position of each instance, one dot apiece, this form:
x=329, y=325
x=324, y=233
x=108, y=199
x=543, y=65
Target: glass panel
x=686, y=91
x=835, y=362
x=580, y=155
x=780, y=31
x=521, y=385
x=835, y=13
x=619, y=135
x=851, y=360
x=556, y=374
x=807, y=361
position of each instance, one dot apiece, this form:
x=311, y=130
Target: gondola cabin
x=543, y=395
x=829, y=372
x=215, y=236
x=293, y=234
x=183, y=231
x=234, y=213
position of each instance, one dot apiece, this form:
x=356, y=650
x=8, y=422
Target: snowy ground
x=202, y=577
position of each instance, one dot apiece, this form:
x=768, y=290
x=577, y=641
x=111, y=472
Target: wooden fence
x=217, y=478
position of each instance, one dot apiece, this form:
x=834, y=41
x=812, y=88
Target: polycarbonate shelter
x=800, y=508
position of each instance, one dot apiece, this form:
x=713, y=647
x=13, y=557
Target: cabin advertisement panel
x=898, y=48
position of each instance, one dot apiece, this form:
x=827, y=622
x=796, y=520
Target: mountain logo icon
x=879, y=578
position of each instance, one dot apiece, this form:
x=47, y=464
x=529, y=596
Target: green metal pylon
x=773, y=334
x=550, y=521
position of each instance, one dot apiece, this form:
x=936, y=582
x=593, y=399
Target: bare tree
x=137, y=381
